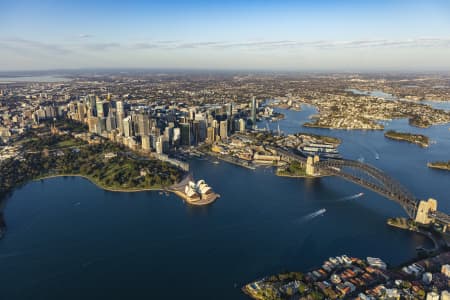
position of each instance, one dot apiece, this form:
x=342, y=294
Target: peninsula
x=48, y=153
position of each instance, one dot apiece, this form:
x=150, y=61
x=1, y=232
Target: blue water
x=67, y=239
x=444, y=105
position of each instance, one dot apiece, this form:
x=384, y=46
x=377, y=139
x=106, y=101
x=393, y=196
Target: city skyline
x=294, y=36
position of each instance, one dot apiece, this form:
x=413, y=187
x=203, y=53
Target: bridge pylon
x=425, y=211
x=310, y=161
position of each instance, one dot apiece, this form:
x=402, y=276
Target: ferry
x=322, y=150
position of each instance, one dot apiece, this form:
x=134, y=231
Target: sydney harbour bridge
x=374, y=179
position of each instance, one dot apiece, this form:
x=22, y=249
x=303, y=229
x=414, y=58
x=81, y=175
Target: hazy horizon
x=298, y=36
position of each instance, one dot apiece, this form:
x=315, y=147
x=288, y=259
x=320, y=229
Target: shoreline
x=438, y=167
x=180, y=194
x=293, y=176
x=408, y=137
x=200, y=202
x=123, y=190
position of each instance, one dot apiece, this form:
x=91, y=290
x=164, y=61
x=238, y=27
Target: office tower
x=168, y=134
x=202, y=129
x=72, y=107
x=242, y=124
x=185, y=131
x=120, y=115
x=92, y=103
x=192, y=113
x=215, y=124
x=92, y=124
x=127, y=126
x=146, y=145
x=143, y=124
x=196, y=132
x=81, y=111
x=99, y=108
x=224, y=129
x=176, y=136
x=159, y=145
x=120, y=110
x=111, y=123
x=229, y=107
x=253, y=111
x=211, y=135
x=101, y=125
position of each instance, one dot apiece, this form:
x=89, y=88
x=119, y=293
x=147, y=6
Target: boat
x=216, y=162
x=377, y=156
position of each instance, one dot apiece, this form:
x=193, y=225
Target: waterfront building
x=211, y=135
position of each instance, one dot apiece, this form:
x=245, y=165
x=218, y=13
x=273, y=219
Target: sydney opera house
x=199, y=191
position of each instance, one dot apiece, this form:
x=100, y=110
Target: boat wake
x=356, y=196
x=311, y=216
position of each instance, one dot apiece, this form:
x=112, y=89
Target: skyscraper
x=211, y=135
x=185, y=130
x=127, y=126
x=224, y=129
x=81, y=111
x=143, y=123
x=229, y=110
x=159, y=145
x=111, y=123
x=242, y=125
x=145, y=141
x=253, y=111
x=176, y=136
x=99, y=109
x=120, y=115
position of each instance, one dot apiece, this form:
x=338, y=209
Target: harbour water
x=39, y=78
x=67, y=239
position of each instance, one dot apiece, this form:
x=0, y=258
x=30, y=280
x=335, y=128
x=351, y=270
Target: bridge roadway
x=373, y=179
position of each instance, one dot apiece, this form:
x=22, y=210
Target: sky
x=321, y=35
